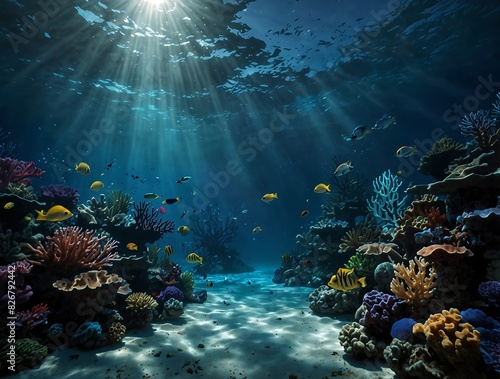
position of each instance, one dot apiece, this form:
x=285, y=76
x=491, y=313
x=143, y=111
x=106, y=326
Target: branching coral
x=147, y=218
x=212, y=231
x=454, y=342
x=140, y=301
x=481, y=128
x=386, y=205
x=14, y=171
x=414, y=284
x=73, y=249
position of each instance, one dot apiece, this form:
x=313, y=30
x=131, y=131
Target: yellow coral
x=412, y=285
x=116, y=332
x=453, y=341
x=140, y=301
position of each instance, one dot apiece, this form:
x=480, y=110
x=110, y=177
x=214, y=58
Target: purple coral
x=60, y=194
x=146, y=218
x=171, y=292
x=491, y=291
x=382, y=310
x=490, y=347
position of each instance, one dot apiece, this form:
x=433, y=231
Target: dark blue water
x=247, y=97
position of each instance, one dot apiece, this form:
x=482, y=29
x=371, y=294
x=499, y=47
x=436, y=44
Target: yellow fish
x=151, y=196
x=54, y=214
x=257, y=229
x=97, y=185
x=343, y=281
x=168, y=251
x=268, y=197
x=82, y=168
x=343, y=168
x=183, y=230
x=194, y=258
x=406, y=151
x=9, y=205
x=131, y=246
x=322, y=188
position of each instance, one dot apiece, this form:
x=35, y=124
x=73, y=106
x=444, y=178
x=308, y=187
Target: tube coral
x=73, y=249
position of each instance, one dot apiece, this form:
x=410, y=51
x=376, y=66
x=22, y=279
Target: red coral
x=435, y=217
x=14, y=171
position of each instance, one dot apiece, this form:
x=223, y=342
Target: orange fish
x=307, y=262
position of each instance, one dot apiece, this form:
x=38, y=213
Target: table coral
x=414, y=286
x=444, y=252
x=455, y=342
x=93, y=279
x=355, y=341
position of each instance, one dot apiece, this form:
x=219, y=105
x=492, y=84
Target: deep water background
x=183, y=88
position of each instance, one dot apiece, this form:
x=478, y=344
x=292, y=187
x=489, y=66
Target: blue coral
x=382, y=310
x=89, y=335
x=171, y=292
x=403, y=329
x=491, y=291
x=478, y=318
x=490, y=347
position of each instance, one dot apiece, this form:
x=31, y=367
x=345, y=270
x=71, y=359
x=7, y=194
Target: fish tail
x=328, y=188
x=276, y=195
x=40, y=215
x=201, y=261
x=362, y=281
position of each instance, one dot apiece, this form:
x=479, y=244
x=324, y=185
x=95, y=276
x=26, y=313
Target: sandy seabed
x=249, y=327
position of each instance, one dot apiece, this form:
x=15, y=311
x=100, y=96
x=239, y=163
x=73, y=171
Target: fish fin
x=40, y=215
x=276, y=195
x=351, y=271
x=362, y=281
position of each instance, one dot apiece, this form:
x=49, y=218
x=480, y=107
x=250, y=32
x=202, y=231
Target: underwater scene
x=249, y=189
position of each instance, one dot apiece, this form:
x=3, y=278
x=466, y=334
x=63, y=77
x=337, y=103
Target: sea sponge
x=355, y=341
x=414, y=286
x=116, y=332
x=454, y=342
x=28, y=354
x=140, y=301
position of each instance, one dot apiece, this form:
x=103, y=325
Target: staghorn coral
x=364, y=232
x=140, y=301
x=441, y=154
x=116, y=332
x=480, y=128
x=414, y=286
x=355, y=341
x=73, y=249
x=454, y=342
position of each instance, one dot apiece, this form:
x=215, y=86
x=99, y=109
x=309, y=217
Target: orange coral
x=435, y=217
x=73, y=249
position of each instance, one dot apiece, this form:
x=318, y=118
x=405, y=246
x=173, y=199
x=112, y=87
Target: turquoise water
x=243, y=99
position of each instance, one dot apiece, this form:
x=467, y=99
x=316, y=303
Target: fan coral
x=414, y=286
x=116, y=332
x=14, y=171
x=71, y=249
x=480, y=128
x=454, y=342
x=147, y=218
x=140, y=301
x=355, y=341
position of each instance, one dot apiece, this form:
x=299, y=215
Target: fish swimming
x=194, y=258
x=171, y=201
x=343, y=281
x=322, y=188
x=183, y=230
x=9, y=205
x=183, y=179
x=268, y=197
x=210, y=284
x=131, y=246
x=406, y=151
x=257, y=229
x=343, y=168
x=384, y=122
x=82, y=168
x=304, y=213
x=358, y=133
x=168, y=251
x=97, y=185
x=151, y=196
x=55, y=214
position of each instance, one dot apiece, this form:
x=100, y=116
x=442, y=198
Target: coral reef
x=89, y=335
x=415, y=283
x=380, y=311
x=14, y=171
x=72, y=249
x=172, y=309
x=116, y=332
x=357, y=342
x=58, y=194
x=325, y=300
x=140, y=301
x=437, y=159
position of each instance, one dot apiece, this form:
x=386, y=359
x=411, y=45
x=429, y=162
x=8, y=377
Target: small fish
x=286, y=259
x=183, y=230
x=131, y=246
x=168, y=251
x=268, y=197
x=358, y=133
x=27, y=218
x=244, y=211
x=306, y=263
x=97, y=185
x=210, y=284
x=171, y=201
x=184, y=179
x=194, y=258
x=257, y=229
x=406, y=151
x=151, y=196
x=234, y=218
x=343, y=168
x=162, y=210
x=183, y=214
x=343, y=281
x=9, y=205
x=82, y=168
x=304, y=213
x=384, y=122
x=54, y=214
x=322, y=188
x=400, y=172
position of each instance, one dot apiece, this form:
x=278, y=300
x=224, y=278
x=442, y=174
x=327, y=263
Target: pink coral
x=14, y=171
